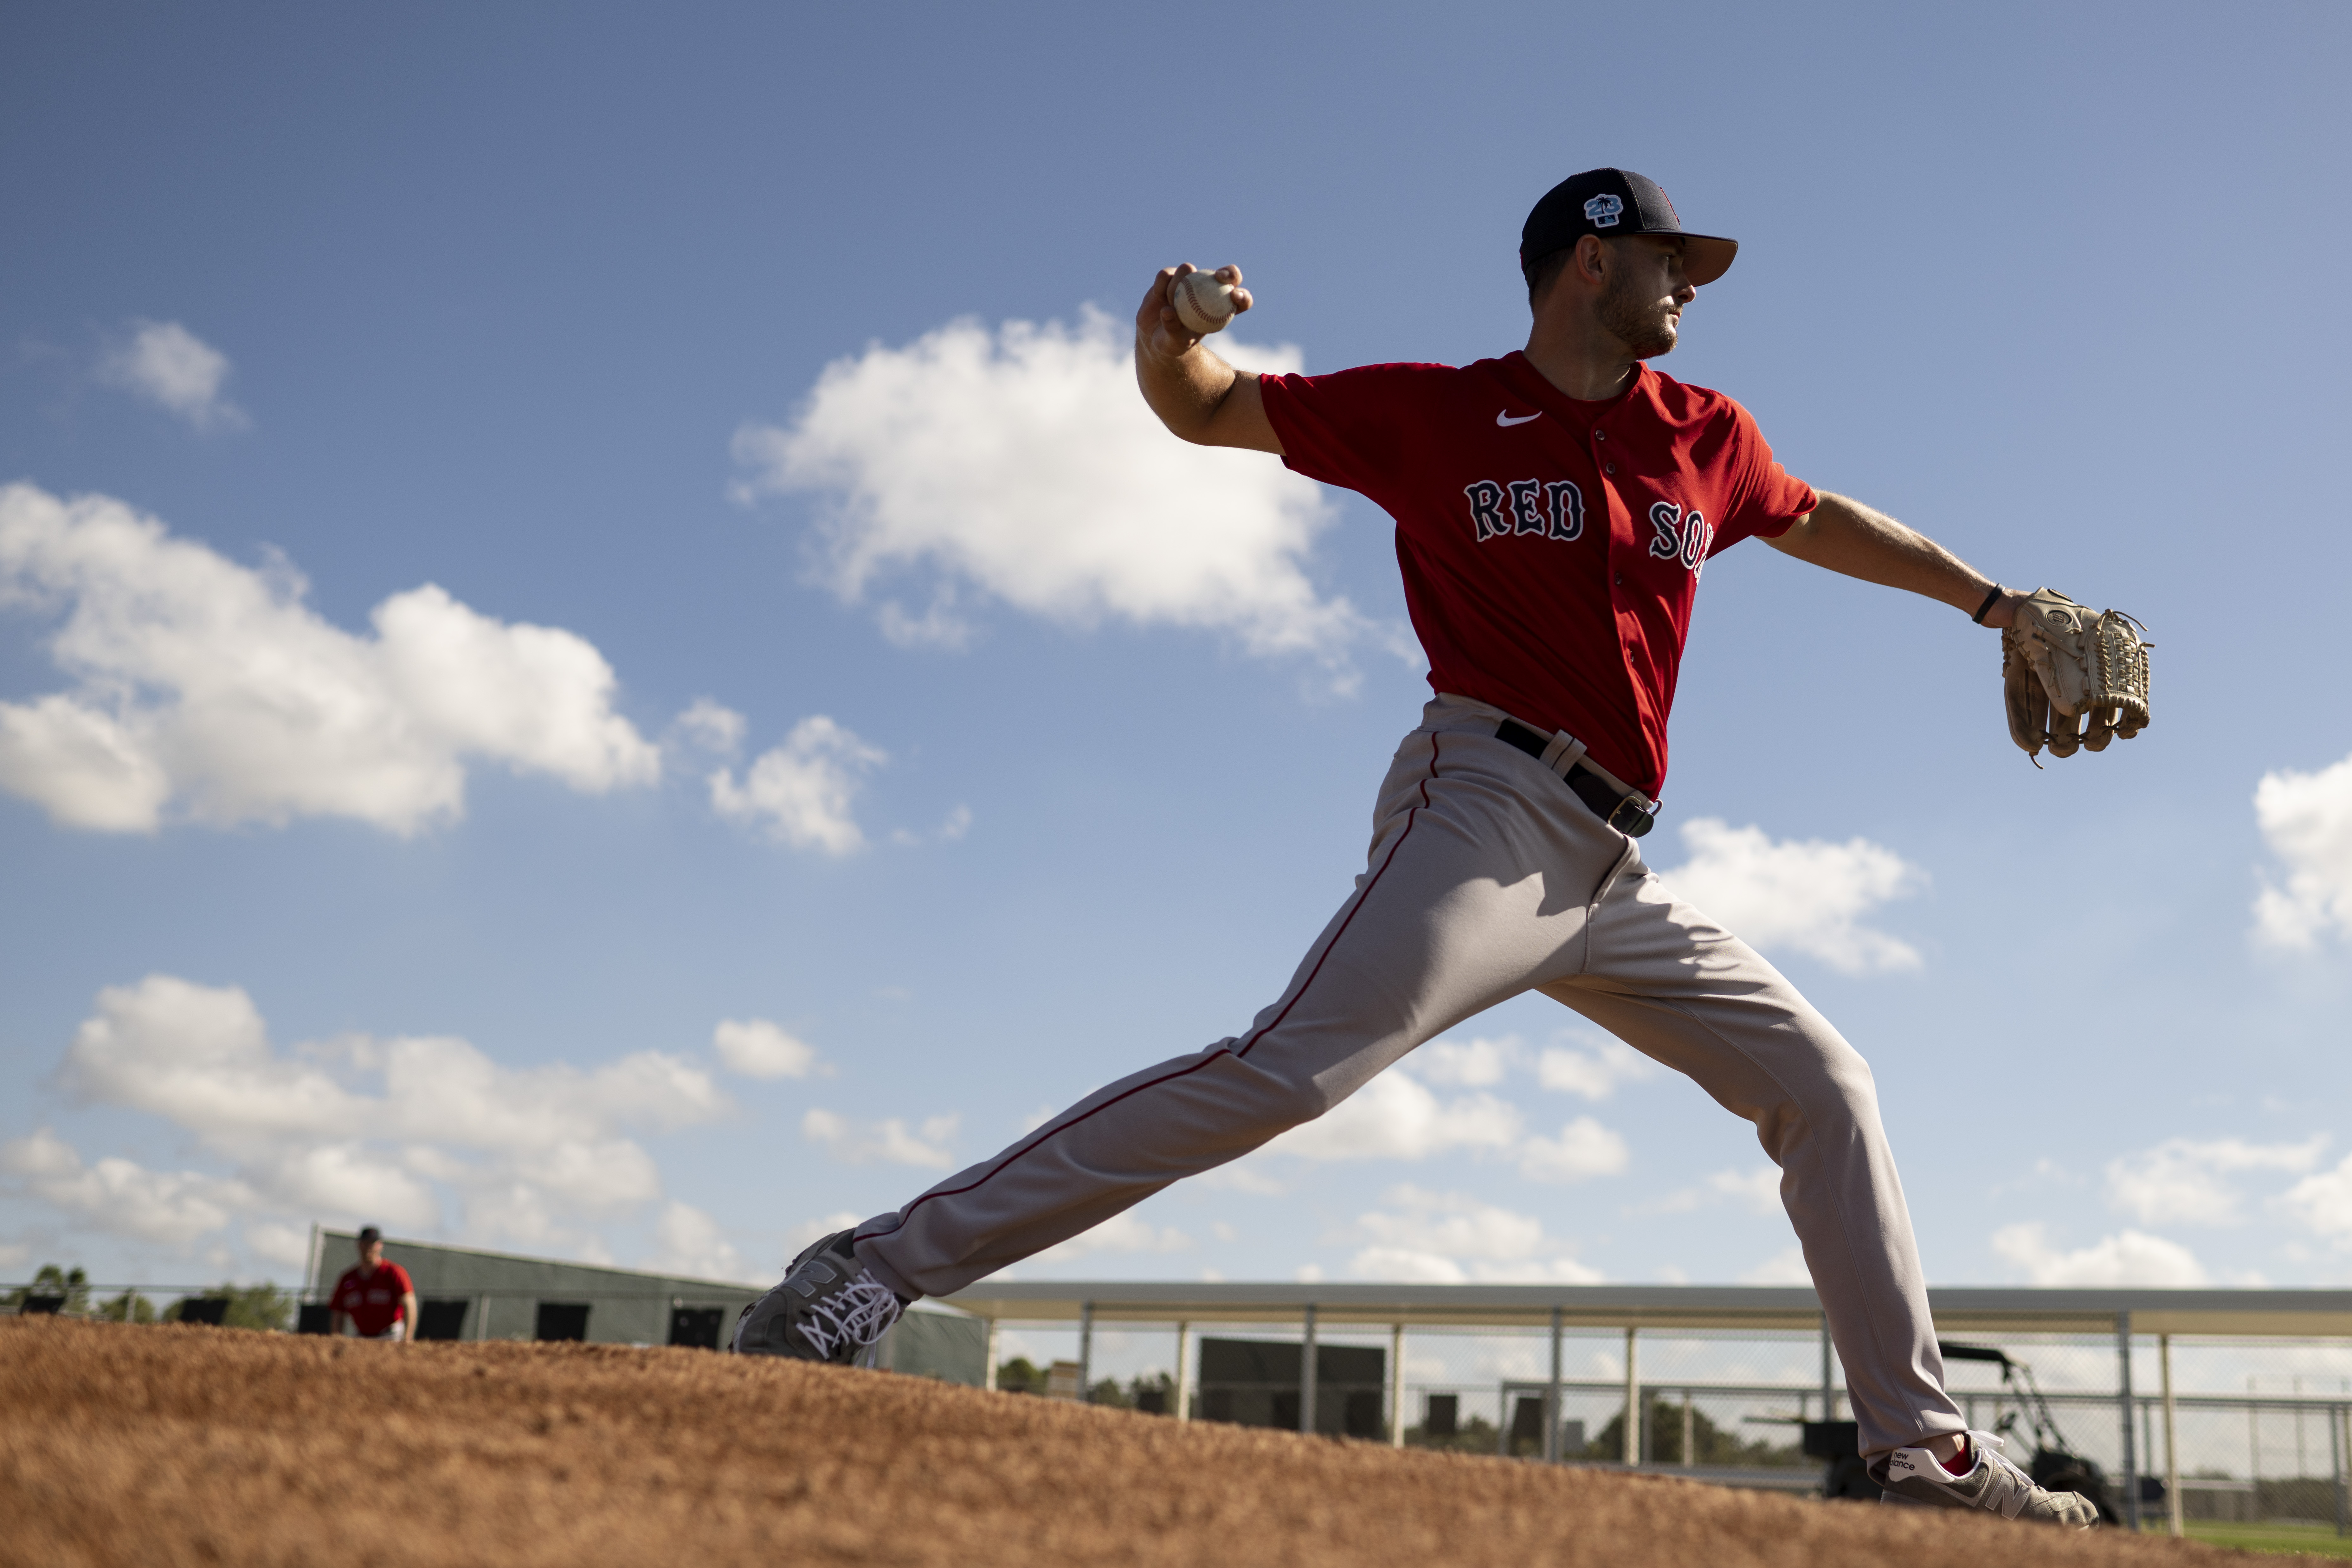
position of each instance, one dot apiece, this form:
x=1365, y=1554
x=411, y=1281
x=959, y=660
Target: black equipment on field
x=697, y=1328
x=441, y=1318
x=1840, y=1442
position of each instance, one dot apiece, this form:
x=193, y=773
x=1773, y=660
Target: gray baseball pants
x=1487, y=878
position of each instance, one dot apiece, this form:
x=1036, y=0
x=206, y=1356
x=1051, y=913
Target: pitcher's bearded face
x=1642, y=305
x=1635, y=311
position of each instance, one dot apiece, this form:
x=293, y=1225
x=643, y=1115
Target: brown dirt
x=155, y=1446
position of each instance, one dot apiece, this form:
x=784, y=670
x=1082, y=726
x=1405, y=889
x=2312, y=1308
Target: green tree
x=250, y=1306
x=1020, y=1376
x=71, y=1283
x=1476, y=1435
x=1158, y=1382
x=1662, y=1437
x=128, y=1308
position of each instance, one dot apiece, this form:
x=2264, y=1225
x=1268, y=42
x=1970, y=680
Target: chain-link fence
x=2258, y=1430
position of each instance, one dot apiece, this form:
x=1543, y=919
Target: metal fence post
x=1184, y=1371
x=1086, y=1353
x=1632, y=1399
x=2130, y=1436
x=1551, y=1397
x=1396, y=1385
x=1828, y=1387
x=1306, y=1374
x=2171, y=1448
x=988, y=1363
x=2339, y=1451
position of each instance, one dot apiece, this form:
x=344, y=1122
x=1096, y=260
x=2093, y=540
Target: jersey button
x=1608, y=467
x=1620, y=579
x=1601, y=435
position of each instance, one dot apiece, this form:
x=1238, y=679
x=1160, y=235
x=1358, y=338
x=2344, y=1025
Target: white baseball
x=1202, y=303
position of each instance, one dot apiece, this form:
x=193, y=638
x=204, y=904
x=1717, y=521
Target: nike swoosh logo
x=1505, y=419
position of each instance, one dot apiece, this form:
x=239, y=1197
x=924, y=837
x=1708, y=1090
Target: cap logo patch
x=1603, y=211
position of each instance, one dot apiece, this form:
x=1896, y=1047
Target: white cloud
x=1395, y=1116
x=1474, y=1064
x=1584, y=1148
x=758, y=1048
x=798, y=1238
x=524, y=1151
x=174, y=368
x=210, y=683
x=802, y=792
x=1242, y=1176
x=1594, y=1074
x=2179, y=1181
x=1807, y=896
x=121, y=1195
x=1120, y=1233
x=1757, y=1191
x=2306, y=818
x=286, y=1246
x=688, y=1241
x=1023, y=464
x=2324, y=1201
x=345, y=1178
x=2128, y=1257
x=1450, y=1238
x=1785, y=1267
x=711, y=726
x=888, y=1141
x=199, y=1055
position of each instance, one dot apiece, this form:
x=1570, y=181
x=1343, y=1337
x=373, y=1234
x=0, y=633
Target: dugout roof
x=2292, y=1313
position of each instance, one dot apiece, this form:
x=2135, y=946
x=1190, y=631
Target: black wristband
x=1986, y=608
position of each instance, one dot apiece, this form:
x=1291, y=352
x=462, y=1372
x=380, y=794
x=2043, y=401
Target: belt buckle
x=1636, y=822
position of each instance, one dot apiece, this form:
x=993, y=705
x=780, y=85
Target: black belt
x=1623, y=812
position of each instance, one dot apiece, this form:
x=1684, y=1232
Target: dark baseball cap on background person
x=370, y=1233
x=1611, y=202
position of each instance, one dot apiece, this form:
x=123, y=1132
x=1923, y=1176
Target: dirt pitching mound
x=152, y=1447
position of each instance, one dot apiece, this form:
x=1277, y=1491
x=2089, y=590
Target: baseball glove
x=2061, y=664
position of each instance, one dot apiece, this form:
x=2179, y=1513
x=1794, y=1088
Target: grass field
x=2318, y=1541
x=158, y=1446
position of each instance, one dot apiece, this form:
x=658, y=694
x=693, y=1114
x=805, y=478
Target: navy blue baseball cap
x=1610, y=202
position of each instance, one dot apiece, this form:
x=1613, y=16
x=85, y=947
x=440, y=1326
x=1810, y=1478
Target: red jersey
x=372, y=1303
x=1551, y=548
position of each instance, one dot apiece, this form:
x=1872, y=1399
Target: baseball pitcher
x=1554, y=511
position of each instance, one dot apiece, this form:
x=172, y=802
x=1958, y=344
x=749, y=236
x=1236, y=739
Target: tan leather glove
x=2061, y=665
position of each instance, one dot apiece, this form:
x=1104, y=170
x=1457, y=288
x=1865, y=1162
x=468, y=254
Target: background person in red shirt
x=1554, y=508
x=375, y=1298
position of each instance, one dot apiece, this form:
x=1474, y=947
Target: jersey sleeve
x=401, y=1283
x=1353, y=429
x=1765, y=496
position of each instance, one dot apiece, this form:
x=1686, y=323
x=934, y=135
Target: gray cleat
x=1992, y=1484
x=829, y=1309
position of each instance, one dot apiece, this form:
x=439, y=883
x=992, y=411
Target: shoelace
x=857, y=1314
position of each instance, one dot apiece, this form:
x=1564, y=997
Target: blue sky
x=574, y=681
